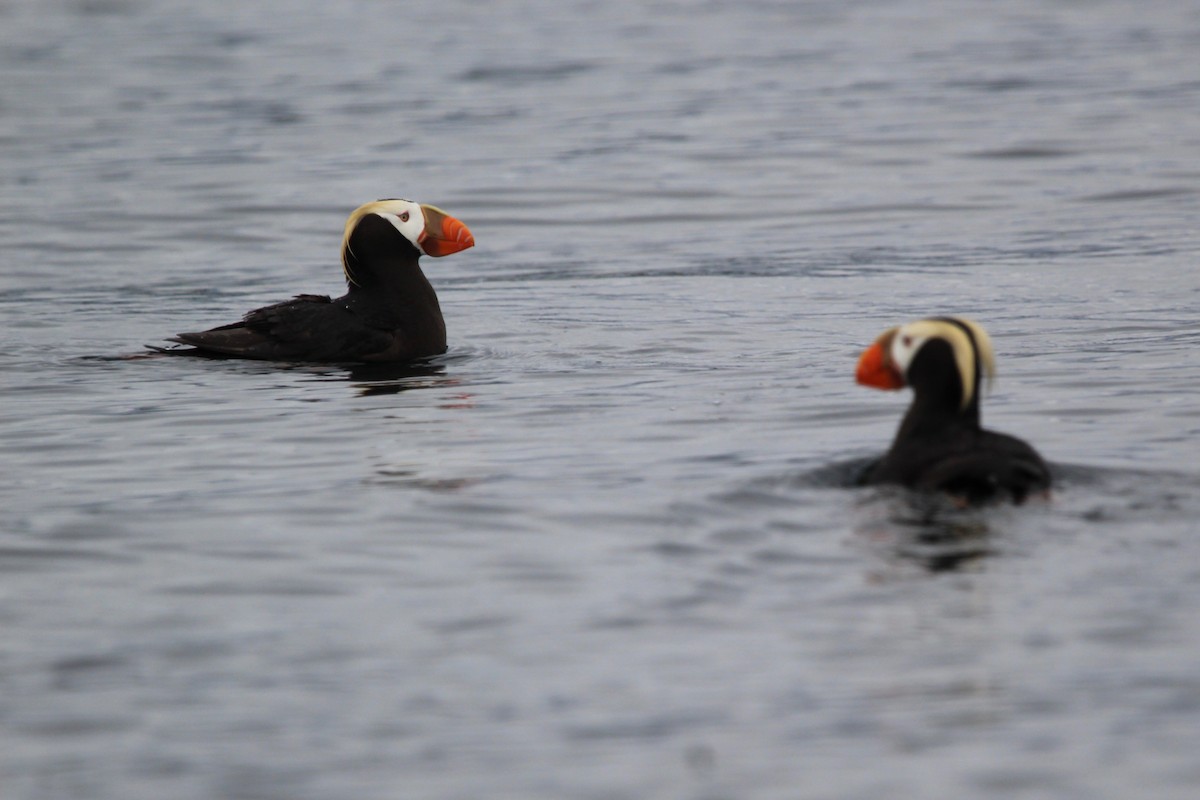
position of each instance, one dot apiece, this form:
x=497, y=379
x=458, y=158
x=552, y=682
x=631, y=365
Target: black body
x=390, y=312
x=941, y=446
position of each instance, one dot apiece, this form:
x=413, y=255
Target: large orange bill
x=873, y=369
x=443, y=233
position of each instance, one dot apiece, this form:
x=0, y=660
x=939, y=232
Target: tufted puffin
x=389, y=313
x=941, y=445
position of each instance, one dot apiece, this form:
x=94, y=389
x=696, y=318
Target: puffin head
x=430, y=231
x=930, y=354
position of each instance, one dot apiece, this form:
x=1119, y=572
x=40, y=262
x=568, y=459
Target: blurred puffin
x=941, y=445
x=389, y=313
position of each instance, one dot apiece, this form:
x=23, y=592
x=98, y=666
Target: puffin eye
x=906, y=341
x=404, y=216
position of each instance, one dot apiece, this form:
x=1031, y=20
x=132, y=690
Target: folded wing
x=306, y=328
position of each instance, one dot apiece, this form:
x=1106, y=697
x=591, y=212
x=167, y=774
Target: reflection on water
x=930, y=531
x=384, y=379
x=369, y=379
x=939, y=534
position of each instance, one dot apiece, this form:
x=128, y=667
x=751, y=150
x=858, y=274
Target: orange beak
x=873, y=369
x=443, y=234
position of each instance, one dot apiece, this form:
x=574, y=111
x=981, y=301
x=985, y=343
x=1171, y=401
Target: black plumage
x=390, y=311
x=941, y=444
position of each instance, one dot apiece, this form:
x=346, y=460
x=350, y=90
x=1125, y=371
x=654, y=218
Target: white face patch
x=905, y=344
x=405, y=215
x=407, y=218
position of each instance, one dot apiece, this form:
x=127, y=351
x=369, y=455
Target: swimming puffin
x=389, y=313
x=941, y=445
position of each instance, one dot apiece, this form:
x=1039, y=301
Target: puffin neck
x=937, y=393
x=378, y=258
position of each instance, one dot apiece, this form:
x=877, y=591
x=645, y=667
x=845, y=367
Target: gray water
x=602, y=548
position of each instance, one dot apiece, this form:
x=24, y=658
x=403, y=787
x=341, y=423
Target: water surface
x=599, y=549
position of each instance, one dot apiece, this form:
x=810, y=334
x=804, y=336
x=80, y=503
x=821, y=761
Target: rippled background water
x=598, y=550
